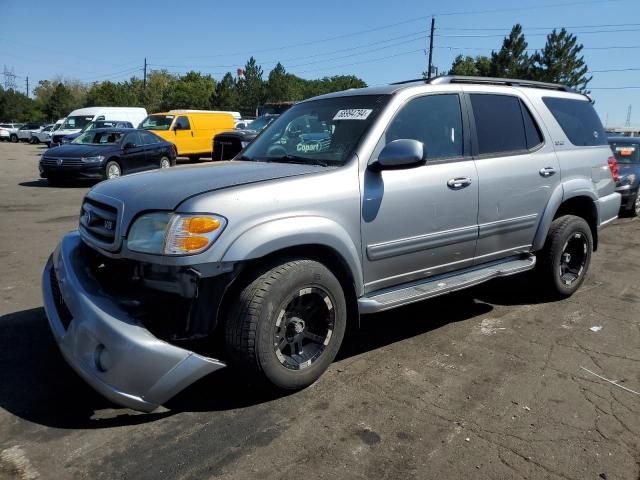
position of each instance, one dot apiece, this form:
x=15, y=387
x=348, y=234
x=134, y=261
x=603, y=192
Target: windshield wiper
x=296, y=159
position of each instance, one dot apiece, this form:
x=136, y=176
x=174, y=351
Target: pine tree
x=251, y=88
x=512, y=61
x=227, y=94
x=560, y=61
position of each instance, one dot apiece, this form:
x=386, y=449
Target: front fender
x=269, y=237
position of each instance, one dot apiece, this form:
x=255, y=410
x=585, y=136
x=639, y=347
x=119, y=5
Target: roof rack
x=511, y=82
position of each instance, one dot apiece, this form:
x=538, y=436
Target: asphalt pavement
x=495, y=382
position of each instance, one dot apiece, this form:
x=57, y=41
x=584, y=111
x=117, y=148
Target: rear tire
x=165, y=162
x=564, y=261
x=287, y=324
x=14, y=138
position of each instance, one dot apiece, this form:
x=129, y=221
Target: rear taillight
x=613, y=166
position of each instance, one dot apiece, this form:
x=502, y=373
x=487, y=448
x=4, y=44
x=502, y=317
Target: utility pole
x=145, y=73
x=433, y=26
x=27, y=87
x=628, y=122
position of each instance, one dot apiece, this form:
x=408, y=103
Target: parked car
x=9, y=131
x=43, y=135
x=627, y=153
x=106, y=153
x=190, y=131
x=410, y=191
x=78, y=119
x=227, y=145
x=97, y=124
x=25, y=131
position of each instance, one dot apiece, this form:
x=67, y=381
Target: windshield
x=78, y=122
x=317, y=132
x=157, y=122
x=626, y=152
x=99, y=138
x=99, y=124
x=259, y=123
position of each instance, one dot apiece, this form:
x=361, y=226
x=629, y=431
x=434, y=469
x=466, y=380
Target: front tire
x=14, y=138
x=565, y=258
x=112, y=170
x=287, y=324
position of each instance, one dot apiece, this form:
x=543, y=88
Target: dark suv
x=627, y=153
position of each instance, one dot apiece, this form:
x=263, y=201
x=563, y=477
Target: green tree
x=226, y=97
x=60, y=103
x=512, y=60
x=280, y=85
x=158, y=84
x=17, y=107
x=109, y=94
x=193, y=90
x=251, y=88
x=560, y=61
x=479, y=66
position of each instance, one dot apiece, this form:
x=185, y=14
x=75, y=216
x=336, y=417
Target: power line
x=534, y=34
x=539, y=28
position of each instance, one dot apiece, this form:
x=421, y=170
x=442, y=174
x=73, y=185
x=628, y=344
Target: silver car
x=349, y=203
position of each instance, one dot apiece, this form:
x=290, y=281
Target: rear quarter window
x=578, y=120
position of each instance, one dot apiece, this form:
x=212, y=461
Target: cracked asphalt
x=486, y=383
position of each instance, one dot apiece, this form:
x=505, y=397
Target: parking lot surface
x=494, y=382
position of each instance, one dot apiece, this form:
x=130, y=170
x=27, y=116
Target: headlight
x=96, y=159
x=244, y=144
x=174, y=234
x=627, y=179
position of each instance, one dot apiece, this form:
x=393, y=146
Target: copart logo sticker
x=308, y=147
x=353, y=114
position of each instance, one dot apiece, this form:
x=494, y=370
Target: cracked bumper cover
x=143, y=371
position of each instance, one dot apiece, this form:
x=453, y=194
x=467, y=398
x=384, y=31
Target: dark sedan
x=107, y=153
x=627, y=153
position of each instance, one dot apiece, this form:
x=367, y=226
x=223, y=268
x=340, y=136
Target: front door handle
x=458, y=183
x=547, y=171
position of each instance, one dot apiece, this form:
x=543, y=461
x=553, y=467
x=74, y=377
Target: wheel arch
x=580, y=202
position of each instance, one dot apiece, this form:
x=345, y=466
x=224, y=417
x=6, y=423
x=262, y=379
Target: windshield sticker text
x=353, y=114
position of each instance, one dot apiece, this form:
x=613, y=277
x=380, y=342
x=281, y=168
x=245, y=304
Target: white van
x=77, y=119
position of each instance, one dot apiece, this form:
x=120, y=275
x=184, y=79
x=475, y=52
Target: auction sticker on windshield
x=353, y=114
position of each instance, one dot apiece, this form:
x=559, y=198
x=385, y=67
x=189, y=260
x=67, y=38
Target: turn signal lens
x=190, y=244
x=200, y=224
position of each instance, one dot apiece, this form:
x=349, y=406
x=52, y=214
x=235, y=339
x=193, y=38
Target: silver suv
x=349, y=203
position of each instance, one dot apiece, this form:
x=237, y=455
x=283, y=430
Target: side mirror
x=128, y=145
x=401, y=153
x=177, y=126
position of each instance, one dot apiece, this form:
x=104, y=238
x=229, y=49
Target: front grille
x=225, y=148
x=61, y=162
x=61, y=307
x=99, y=221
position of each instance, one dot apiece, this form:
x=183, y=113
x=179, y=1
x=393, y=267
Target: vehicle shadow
x=37, y=385
x=42, y=183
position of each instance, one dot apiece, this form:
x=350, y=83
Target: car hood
x=166, y=189
x=73, y=151
x=242, y=134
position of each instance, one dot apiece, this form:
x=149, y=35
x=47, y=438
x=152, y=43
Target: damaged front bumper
x=105, y=345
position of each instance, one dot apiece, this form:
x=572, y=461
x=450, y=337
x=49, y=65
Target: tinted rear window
x=578, y=120
x=499, y=124
x=626, y=152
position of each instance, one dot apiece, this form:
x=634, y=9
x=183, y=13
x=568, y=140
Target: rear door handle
x=547, y=171
x=458, y=183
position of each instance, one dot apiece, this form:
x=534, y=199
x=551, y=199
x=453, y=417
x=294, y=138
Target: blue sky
x=380, y=41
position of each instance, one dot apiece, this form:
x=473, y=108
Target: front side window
x=182, y=123
x=578, y=120
x=149, y=138
x=76, y=122
x=132, y=138
x=434, y=120
x=324, y=131
x=157, y=122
